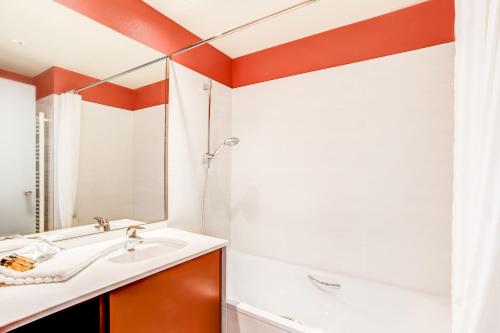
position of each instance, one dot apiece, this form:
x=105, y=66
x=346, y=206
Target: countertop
x=22, y=304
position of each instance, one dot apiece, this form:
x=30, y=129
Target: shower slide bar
x=200, y=43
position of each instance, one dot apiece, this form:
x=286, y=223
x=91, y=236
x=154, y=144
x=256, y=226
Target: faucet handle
x=132, y=231
x=101, y=220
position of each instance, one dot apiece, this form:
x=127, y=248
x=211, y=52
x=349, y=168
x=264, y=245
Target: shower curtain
x=67, y=110
x=476, y=202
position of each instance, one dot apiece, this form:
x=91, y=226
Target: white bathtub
x=261, y=292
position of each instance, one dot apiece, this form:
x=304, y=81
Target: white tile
x=349, y=169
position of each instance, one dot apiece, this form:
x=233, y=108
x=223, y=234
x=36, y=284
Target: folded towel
x=61, y=266
x=15, y=243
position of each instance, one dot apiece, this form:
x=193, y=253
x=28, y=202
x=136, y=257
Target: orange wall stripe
x=137, y=20
x=16, y=77
x=107, y=93
x=111, y=95
x=151, y=95
x=45, y=83
x=423, y=25
x=58, y=80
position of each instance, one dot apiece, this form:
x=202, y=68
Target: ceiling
x=206, y=18
x=55, y=35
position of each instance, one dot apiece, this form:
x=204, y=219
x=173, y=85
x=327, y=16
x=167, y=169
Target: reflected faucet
x=102, y=223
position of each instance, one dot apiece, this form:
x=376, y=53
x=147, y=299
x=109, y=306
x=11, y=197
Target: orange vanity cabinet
x=183, y=299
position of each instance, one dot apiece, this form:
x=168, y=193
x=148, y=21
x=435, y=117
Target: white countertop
x=22, y=304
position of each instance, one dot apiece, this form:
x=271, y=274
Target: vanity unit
x=175, y=291
x=184, y=298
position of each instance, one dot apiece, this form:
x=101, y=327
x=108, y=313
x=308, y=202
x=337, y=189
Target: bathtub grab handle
x=324, y=283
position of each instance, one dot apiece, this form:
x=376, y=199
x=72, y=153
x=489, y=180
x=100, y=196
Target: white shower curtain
x=67, y=111
x=476, y=202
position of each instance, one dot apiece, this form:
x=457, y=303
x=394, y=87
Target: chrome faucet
x=102, y=223
x=133, y=238
x=132, y=232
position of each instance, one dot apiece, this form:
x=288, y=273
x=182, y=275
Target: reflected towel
x=61, y=266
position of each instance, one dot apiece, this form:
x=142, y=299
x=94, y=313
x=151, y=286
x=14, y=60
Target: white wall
x=105, y=178
x=349, y=169
x=148, y=163
x=121, y=164
x=218, y=196
x=187, y=132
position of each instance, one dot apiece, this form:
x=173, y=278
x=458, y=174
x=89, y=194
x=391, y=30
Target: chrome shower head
x=233, y=141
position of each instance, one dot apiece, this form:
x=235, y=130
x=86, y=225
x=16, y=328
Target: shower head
x=233, y=141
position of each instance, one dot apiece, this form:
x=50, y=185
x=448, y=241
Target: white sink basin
x=147, y=249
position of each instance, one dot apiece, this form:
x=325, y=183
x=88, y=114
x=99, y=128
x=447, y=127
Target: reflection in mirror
x=121, y=165
x=67, y=158
x=18, y=127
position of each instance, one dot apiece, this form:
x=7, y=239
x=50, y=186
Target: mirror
x=66, y=158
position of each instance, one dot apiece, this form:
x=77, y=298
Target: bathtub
x=269, y=296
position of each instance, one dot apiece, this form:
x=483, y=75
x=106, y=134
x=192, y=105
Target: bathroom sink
x=147, y=249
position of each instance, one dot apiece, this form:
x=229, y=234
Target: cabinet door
x=183, y=299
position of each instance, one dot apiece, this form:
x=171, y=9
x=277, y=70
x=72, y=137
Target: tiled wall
x=121, y=164
x=105, y=168
x=148, y=164
x=187, y=143
x=349, y=169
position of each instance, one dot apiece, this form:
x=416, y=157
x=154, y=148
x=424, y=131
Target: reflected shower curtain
x=476, y=202
x=67, y=111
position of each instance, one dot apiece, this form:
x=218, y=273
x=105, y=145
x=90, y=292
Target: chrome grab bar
x=324, y=283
